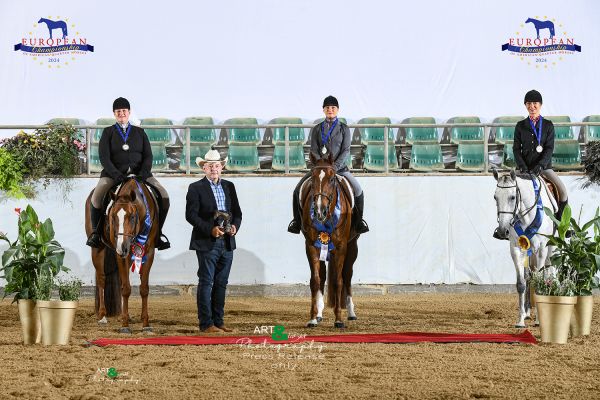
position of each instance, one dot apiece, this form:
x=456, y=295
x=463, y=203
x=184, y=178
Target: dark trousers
x=213, y=274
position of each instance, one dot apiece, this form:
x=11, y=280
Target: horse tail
x=112, y=285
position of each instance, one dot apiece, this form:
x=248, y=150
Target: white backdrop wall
x=424, y=229
x=269, y=58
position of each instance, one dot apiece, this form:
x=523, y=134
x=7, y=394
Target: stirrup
x=162, y=244
x=294, y=227
x=362, y=226
x=93, y=240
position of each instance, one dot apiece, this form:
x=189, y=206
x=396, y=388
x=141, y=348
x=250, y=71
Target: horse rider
x=533, y=147
x=125, y=149
x=331, y=137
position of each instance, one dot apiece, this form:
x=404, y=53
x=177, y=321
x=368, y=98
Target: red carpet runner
x=408, y=337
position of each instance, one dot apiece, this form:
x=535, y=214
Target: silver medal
x=324, y=150
x=125, y=147
x=539, y=149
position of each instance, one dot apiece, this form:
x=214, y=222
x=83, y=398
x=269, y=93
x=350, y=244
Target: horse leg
x=145, y=290
x=125, y=293
x=336, y=285
x=98, y=261
x=320, y=300
x=315, y=284
x=518, y=259
x=351, y=254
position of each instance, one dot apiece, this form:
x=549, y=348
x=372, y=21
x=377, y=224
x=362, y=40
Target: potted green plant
x=554, y=299
x=34, y=252
x=57, y=316
x=580, y=254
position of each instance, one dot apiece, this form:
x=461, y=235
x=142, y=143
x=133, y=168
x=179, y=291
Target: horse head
x=529, y=20
x=507, y=202
x=124, y=218
x=324, y=188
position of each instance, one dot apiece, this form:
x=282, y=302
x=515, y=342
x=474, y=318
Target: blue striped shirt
x=219, y=194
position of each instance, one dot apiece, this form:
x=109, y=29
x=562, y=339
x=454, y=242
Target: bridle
x=518, y=201
x=129, y=235
x=329, y=197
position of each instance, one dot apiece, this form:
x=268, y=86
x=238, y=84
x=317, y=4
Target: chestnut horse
x=327, y=202
x=124, y=228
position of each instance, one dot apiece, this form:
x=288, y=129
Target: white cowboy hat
x=210, y=156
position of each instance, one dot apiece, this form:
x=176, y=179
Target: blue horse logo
x=62, y=25
x=542, y=25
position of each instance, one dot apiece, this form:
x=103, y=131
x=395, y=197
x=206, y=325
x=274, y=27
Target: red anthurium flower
x=18, y=210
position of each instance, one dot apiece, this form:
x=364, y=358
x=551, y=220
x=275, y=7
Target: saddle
x=552, y=189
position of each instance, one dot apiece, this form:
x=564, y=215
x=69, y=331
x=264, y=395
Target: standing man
x=125, y=149
x=213, y=245
x=331, y=136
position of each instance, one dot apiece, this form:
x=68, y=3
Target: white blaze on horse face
x=121, y=216
x=321, y=176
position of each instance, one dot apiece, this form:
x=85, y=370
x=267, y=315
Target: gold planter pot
x=581, y=321
x=57, y=320
x=555, y=317
x=29, y=316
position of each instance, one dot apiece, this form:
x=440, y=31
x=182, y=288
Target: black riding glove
x=536, y=170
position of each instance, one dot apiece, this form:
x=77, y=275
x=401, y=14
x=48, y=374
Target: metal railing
x=386, y=142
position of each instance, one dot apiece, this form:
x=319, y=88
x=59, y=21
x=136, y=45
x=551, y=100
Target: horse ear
x=113, y=196
x=132, y=195
x=330, y=158
x=313, y=159
x=513, y=175
x=495, y=172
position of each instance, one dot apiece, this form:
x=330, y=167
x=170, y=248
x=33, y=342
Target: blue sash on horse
x=526, y=235
x=138, y=253
x=326, y=229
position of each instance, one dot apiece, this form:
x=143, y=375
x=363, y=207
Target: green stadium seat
x=243, y=135
x=296, y=134
x=461, y=134
x=159, y=156
x=297, y=161
x=508, y=156
x=242, y=157
x=196, y=150
x=159, y=135
x=561, y=132
x=98, y=132
x=421, y=135
x=375, y=134
x=200, y=135
x=374, y=157
x=470, y=157
x=95, y=165
x=593, y=132
x=426, y=157
x=505, y=134
x=567, y=155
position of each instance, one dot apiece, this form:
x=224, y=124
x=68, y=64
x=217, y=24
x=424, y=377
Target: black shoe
x=162, y=244
x=93, y=240
x=362, y=227
x=294, y=227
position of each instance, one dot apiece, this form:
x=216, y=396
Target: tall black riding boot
x=359, y=223
x=163, y=210
x=296, y=225
x=96, y=219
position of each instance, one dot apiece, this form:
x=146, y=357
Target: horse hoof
x=536, y=324
x=520, y=326
x=352, y=318
x=319, y=319
x=102, y=321
x=311, y=325
x=125, y=329
x=528, y=317
x=147, y=329
x=338, y=324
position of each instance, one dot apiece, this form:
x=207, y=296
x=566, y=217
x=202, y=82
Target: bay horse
x=327, y=202
x=517, y=206
x=124, y=229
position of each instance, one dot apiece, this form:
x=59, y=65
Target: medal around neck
x=539, y=149
x=324, y=150
x=125, y=147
